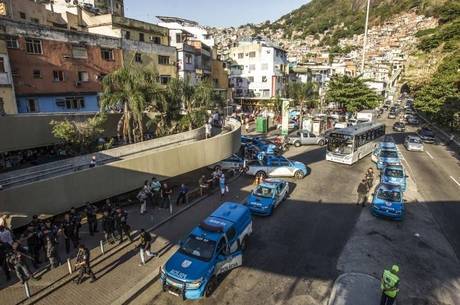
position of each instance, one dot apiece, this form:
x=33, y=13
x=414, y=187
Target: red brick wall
x=57, y=55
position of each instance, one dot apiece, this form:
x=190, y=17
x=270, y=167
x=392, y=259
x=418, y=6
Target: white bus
x=349, y=145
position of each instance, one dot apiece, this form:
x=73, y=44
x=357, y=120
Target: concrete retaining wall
x=57, y=194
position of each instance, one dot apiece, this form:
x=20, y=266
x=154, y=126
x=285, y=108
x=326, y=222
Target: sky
x=218, y=13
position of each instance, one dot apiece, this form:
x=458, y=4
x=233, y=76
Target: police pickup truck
x=212, y=248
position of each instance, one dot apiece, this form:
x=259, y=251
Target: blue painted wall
x=48, y=104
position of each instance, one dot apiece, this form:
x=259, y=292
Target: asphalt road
x=292, y=255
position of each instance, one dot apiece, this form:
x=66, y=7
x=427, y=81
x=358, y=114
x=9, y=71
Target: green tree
x=352, y=93
x=132, y=89
x=81, y=135
x=303, y=94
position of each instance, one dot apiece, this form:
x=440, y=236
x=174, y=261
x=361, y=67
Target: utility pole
x=365, y=36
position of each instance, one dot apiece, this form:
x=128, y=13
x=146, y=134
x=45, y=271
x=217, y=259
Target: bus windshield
x=340, y=144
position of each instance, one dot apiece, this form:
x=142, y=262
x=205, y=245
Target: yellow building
x=7, y=97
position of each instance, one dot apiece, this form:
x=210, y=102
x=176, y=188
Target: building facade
x=7, y=97
x=59, y=70
x=262, y=65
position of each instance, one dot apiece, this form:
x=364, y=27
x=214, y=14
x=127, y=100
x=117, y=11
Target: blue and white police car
x=388, y=202
x=267, y=196
x=395, y=175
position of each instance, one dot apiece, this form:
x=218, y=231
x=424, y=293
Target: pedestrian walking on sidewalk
x=83, y=264
x=389, y=285
x=203, y=185
x=145, y=243
x=121, y=224
x=363, y=190
x=166, y=193
x=155, y=188
x=93, y=162
x=208, y=129
x=76, y=218
x=370, y=178
x=17, y=259
x=142, y=197
x=51, y=250
x=183, y=190
x=108, y=226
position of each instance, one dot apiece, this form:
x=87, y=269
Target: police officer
x=108, y=226
x=121, y=225
x=51, y=250
x=370, y=178
x=91, y=217
x=68, y=230
x=363, y=189
x=33, y=242
x=76, y=218
x=145, y=242
x=389, y=285
x=5, y=250
x=83, y=264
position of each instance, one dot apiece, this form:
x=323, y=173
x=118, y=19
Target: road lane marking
x=454, y=180
x=429, y=154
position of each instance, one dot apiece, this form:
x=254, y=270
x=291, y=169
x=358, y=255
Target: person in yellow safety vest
x=389, y=285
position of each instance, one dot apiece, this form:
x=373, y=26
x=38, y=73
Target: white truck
x=367, y=116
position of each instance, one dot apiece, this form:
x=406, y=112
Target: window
x=2, y=65
x=83, y=76
x=141, y=37
x=33, y=46
x=35, y=20
x=264, y=79
x=58, y=76
x=60, y=102
x=188, y=58
x=37, y=74
x=252, y=67
x=163, y=60
x=266, y=93
x=251, y=79
x=12, y=42
x=178, y=38
x=164, y=79
x=107, y=54
x=138, y=57
x=127, y=35
x=231, y=234
x=32, y=105
x=155, y=39
x=79, y=53
x=22, y=15
x=252, y=54
x=264, y=66
x=240, y=55
x=74, y=102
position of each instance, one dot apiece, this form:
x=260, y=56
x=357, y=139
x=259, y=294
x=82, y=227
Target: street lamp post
x=365, y=36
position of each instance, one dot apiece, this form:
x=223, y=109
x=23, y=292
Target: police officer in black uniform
x=83, y=264
x=68, y=229
x=91, y=217
x=108, y=226
x=121, y=224
x=33, y=242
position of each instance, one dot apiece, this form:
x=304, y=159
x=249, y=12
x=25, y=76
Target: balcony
x=5, y=79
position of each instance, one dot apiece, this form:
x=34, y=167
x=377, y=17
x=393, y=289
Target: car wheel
x=321, y=142
x=297, y=144
x=261, y=174
x=210, y=287
x=298, y=175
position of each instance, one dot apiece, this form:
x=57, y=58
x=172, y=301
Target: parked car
x=291, y=125
x=305, y=137
x=388, y=202
x=267, y=196
x=387, y=157
x=232, y=162
x=392, y=115
x=399, y=126
x=394, y=175
x=412, y=120
x=426, y=134
x=413, y=143
x=277, y=166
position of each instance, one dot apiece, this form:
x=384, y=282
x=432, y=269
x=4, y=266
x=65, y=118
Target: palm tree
x=132, y=89
x=301, y=93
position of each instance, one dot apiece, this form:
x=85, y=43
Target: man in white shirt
x=5, y=235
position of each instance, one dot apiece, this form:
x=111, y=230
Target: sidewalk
x=355, y=289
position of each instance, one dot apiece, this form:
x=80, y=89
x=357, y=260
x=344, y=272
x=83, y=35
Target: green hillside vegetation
x=344, y=18
x=440, y=97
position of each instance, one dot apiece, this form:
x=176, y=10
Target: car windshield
x=389, y=195
x=388, y=154
x=427, y=133
x=394, y=173
x=263, y=191
x=198, y=247
x=340, y=144
x=415, y=140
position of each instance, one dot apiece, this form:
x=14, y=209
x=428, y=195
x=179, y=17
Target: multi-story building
x=114, y=7
x=188, y=26
x=7, y=97
x=262, y=64
x=57, y=70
